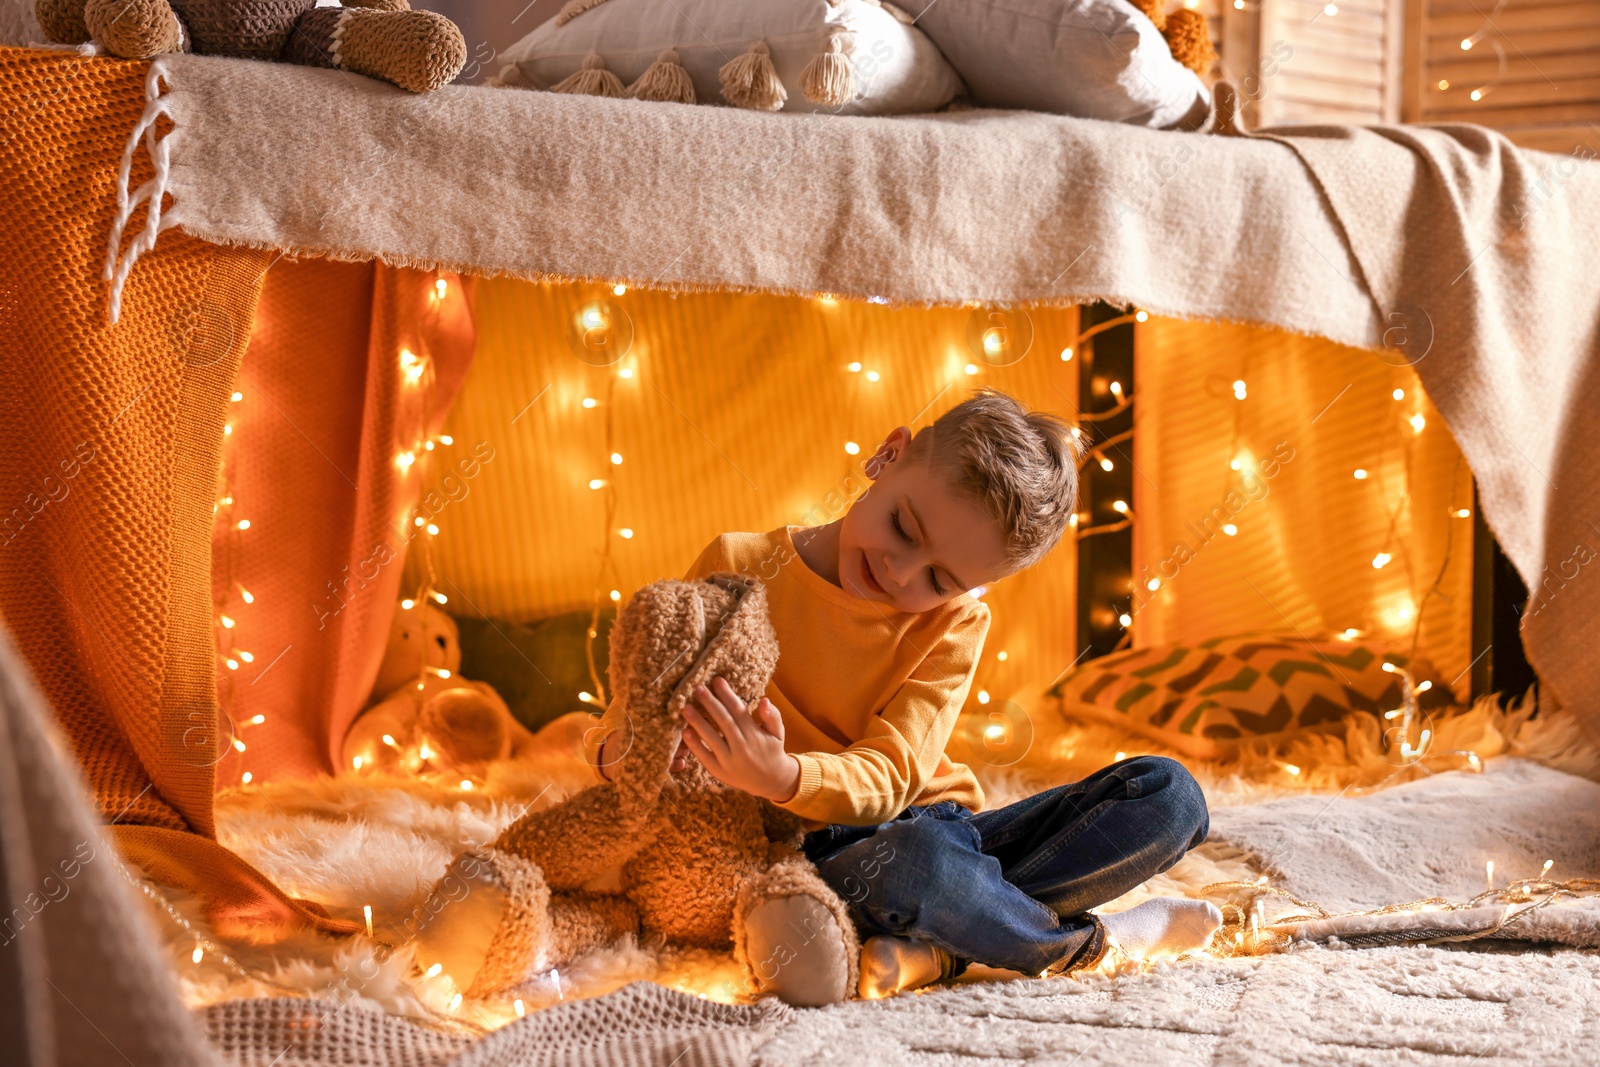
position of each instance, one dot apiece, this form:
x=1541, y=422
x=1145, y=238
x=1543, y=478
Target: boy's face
x=910, y=541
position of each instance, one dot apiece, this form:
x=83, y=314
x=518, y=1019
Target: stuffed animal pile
x=416, y=50
x=423, y=715
x=701, y=865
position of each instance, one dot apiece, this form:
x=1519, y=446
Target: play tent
x=176, y=240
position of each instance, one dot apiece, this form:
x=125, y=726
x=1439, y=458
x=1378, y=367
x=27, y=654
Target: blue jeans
x=1012, y=887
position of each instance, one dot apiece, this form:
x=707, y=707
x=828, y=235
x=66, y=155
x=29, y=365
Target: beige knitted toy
x=416, y=50
x=423, y=715
x=702, y=865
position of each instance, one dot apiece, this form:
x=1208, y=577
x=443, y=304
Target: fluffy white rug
x=362, y=841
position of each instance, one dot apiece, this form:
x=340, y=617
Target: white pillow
x=852, y=57
x=1097, y=59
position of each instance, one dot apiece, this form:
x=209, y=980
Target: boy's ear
x=893, y=448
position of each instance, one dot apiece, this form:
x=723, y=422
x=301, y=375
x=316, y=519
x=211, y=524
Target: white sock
x=890, y=965
x=1163, y=927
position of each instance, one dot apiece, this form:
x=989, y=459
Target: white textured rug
x=1417, y=1007
x=1362, y=833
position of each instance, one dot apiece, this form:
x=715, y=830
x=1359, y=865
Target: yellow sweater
x=869, y=695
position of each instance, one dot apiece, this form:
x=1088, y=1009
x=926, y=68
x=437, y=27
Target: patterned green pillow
x=1204, y=699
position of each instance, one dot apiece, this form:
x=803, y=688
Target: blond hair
x=1021, y=467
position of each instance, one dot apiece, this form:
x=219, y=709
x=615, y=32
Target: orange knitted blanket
x=113, y=436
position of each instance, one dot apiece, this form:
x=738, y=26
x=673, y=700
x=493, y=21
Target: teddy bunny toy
x=416, y=50
x=701, y=865
x=425, y=716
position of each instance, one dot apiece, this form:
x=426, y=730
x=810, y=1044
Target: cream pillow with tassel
x=850, y=57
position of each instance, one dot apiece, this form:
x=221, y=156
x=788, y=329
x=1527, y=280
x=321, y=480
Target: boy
x=878, y=642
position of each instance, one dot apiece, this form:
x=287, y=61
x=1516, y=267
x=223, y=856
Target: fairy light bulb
x=227, y=623
x=589, y=401
x=597, y=483
x=1153, y=584
x=1106, y=464
x=872, y=375
x=1066, y=354
x=1119, y=506
x=245, y=777
x=237, y=396
x=851, y=448
x=1360, y=474
x=625, y=532
x=438, y=596
x=1230, y=529
x=440, y=287
x=407, y=604
x=619, y=290
x=616, y=595
x=248, y=657
x=854, y=366
x=246, y=595
x=616, y=459
x=983, y=696
x=1141, y=316
x=404, y=460
x=243, y=524
x=1239, y=389
x=232, y=663
x=625, y=372
x=256, y=720
x=1381, y=560
x=1418, y=422
x=198, y=954
x=433, y=972
x=412, y=364
x=433, y=530
x=1116, y=389
x=521, y=1009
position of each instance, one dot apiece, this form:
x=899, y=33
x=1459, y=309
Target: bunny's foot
x=794, y=936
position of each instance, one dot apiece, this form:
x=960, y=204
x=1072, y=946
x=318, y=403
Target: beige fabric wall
x=736, y=418
x=1307, y=536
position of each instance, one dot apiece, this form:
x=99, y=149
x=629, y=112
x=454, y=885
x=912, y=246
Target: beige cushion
x=895, y=67
x=1097, y=59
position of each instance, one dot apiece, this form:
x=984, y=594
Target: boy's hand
x=741, y=746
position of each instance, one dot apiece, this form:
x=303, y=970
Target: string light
x=872, y=375
x=1418, y=422
x=619, y=290
x=851, y=448
x=1066, y=354
x=854, y=366
x=1360, y=474
x=1239, y=389
x=1381, y=560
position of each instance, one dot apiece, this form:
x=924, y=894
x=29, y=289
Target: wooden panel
x=1535, y=64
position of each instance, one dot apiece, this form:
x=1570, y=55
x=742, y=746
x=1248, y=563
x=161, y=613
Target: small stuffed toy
x=416, y=50
x=701, y=865
x=424, y=715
